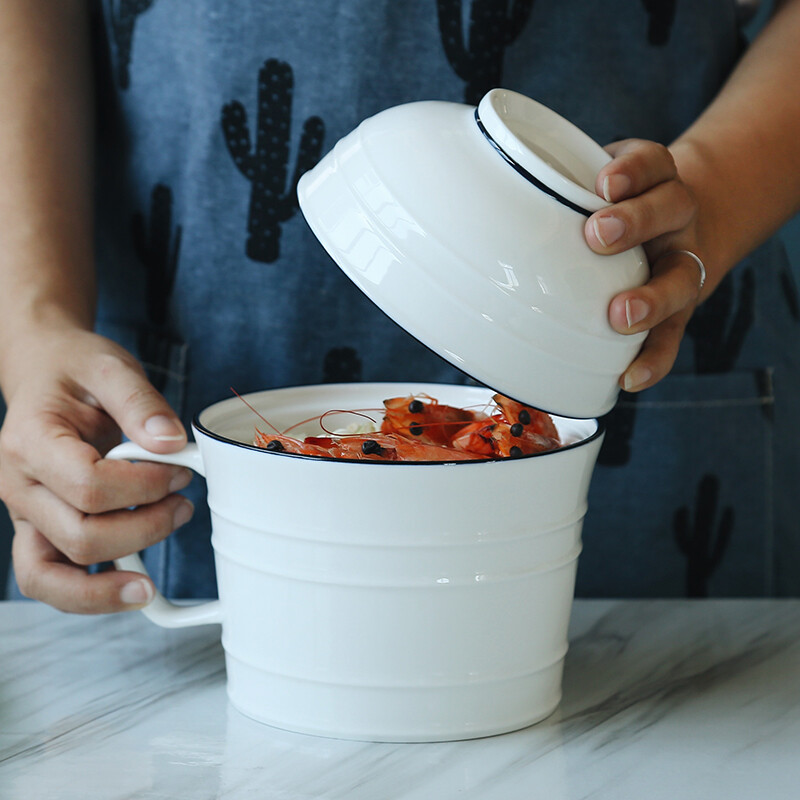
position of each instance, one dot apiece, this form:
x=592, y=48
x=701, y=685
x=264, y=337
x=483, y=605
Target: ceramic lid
x=465, y=226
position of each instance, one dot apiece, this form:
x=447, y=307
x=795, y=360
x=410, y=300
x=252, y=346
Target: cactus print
x=704, y=538
x=123, y=15
x=789, y=287
x=157, y=247
x=342, y=365
x=616, y=448
x=661, y=14
x=272, y=200
x=477, y=58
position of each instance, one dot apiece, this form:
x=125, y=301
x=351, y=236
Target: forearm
x=46, y=258
x=742, y=156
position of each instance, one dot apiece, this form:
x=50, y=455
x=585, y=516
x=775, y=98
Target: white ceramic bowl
x=468, y=231
x=386, y=601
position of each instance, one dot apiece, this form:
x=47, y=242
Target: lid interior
x=544, y=144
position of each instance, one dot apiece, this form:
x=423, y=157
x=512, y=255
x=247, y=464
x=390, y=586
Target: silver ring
x=697, y=261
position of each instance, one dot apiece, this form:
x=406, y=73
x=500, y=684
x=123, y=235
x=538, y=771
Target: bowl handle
x=160, y=610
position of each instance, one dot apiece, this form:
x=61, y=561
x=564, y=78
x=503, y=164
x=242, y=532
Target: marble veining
x=694, y=700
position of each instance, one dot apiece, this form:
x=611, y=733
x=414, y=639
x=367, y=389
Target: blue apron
x=209, y=111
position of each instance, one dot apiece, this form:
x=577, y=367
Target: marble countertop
x=662, y=699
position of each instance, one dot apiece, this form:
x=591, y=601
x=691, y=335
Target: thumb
x=142, y=413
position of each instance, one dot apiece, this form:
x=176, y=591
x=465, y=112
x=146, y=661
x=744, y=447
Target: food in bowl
x=420, y=428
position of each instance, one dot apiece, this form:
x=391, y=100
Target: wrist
x=31, y=334
x=722, y=247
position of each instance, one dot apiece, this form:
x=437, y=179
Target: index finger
x=637, y=165
x=50, y=452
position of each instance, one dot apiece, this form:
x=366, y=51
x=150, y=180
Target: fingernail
x=608, y=229
x=636, y=376
x=635, y=311
x=183, y=513
x=163, y=429
x=180, y=480
x=136, y=593
x=616, y=186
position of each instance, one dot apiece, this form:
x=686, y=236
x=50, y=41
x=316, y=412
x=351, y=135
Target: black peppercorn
x=370, y=447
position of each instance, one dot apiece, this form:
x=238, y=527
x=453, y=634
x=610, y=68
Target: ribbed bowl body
x=493, y=274
x=392, y=601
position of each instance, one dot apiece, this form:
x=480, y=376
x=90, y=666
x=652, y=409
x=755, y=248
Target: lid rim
x=528, y=175
x=503, y=112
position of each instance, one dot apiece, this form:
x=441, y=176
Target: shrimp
x=361, y=447
x=533, y=420
x=419, y=428
x=425, y=419
x=477, y=437
x=518, y=430
x=279, y=443
x=358, y=447
x=512, y=430
x=413, y=450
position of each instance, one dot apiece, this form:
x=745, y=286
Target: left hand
x=653, y=207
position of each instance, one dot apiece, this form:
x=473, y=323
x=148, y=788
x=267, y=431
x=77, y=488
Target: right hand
x=655, y=208
x=70, y=397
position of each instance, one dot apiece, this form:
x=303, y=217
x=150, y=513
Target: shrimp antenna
x=259, y=415
x=343, y=411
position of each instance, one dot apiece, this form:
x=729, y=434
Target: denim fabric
x=209, y=273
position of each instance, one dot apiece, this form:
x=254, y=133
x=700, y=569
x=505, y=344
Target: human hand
x=653, y=207
x=68, y=399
